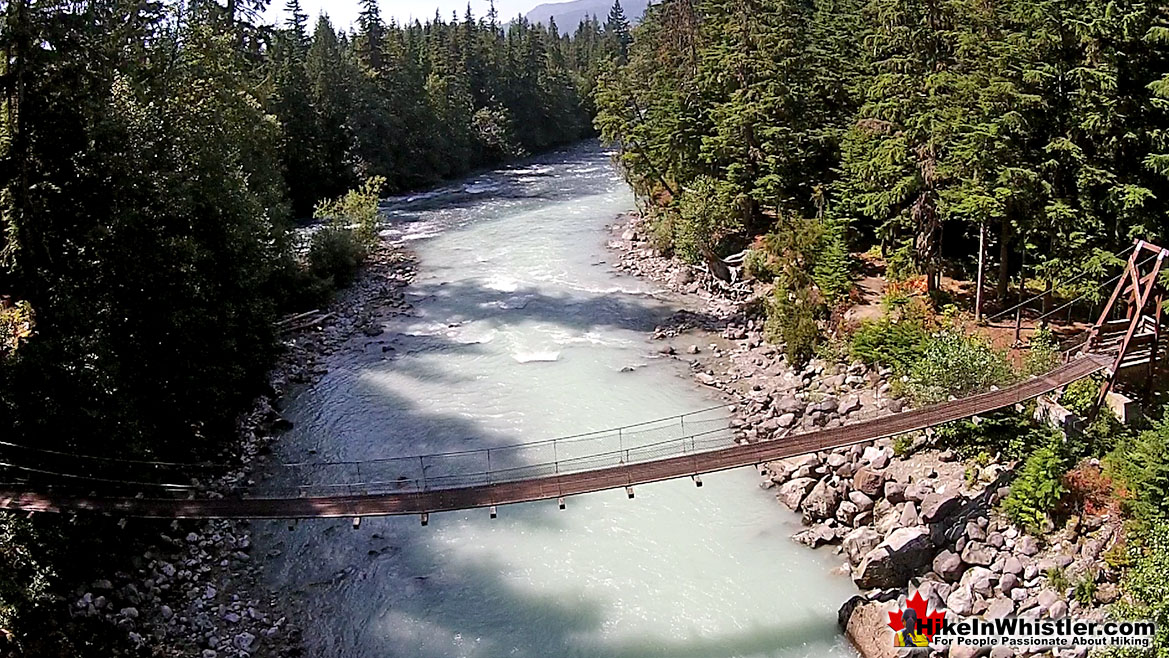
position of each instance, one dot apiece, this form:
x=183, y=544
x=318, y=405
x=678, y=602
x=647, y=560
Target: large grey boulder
x=948, y=565
x=978, y=554
x=868, y=481
x=960, y=601
x=859, y=542
x=939, y=505
x=792, y=492
x=894, y=560
x=821, y=502
x=866, y=624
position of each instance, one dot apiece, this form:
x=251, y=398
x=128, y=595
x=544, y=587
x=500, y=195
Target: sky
x=344, y=12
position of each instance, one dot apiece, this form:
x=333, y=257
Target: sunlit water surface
x=520, y=332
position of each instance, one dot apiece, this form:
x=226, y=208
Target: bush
x=1010, y=434
x=832, y=263
x=1085, y=589
x=1142, y=464
x=955, y=364
x=887, y=342
x=791, y=319
x=1043, y=354
x=1146, y=587
x=1090, y=491
x=1037, y=490
x=900, y=266
x=709, y=211
x=25, y=581
x=334, y=256
x=357, y=211
x=903, y=445
x=1080, y=396
x=1057, y=579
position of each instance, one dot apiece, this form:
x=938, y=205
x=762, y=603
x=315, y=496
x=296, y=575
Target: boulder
x=1058, y=610
x=1012, y=565
x=786, y=420
x=960, y=601
x=978, y=579
x=815, y=536
x=909, y=516
x=978, y=554
x=859, y=542
x=861, y=500
x=1008, y=582
x=875, y=457
x=821, y=502
x=917, y=491
x=868, y=481
x=940, y=505
x=792, y=492
x=846, y=512
x=999, y=608
x=1106, y=593
x=894, y=492
x=866, y=624
x=948, y=565
x=894, y=560
x=1027, y=545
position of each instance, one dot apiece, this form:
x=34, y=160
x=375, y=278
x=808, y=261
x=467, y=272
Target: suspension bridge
x=684, y=446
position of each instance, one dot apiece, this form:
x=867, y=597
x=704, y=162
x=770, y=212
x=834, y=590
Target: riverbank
x=194, y=590
x=914, y=519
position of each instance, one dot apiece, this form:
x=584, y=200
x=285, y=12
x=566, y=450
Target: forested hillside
x=154, y=157
x=913, y=126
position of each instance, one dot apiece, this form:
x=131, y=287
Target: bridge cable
x=1044, y=294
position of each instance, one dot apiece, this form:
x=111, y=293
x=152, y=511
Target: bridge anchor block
x=494, y=513
x=629, y=492
x=560, y=502
x=697, y=480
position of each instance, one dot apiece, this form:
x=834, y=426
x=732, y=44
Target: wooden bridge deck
x=557, y=486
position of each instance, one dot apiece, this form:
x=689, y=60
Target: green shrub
x=1145, y=585
x=709, y=211
x=334, y=256
x=832, y=263
x=1043, y=354
x=956, y=364
x=1037, y=490
x=900, y=266
x=27, y=575
x=1085, y=590
x=791, y=319
x=757, y=265
x=1011, y=434
x=887, y=342
x=1080, y=396
x=1142, y=464
x=903, y=445
x=1057, y=579
x=356, y=211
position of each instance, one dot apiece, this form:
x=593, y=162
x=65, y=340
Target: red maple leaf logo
x=930, y=622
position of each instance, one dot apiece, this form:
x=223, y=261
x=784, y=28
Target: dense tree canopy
x=919, y=123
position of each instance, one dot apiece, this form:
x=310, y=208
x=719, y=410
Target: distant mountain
x=569, y=14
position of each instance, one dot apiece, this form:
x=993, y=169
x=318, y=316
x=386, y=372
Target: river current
x=521, y=330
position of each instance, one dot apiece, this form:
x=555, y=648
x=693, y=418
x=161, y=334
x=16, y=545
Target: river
x=522, y=331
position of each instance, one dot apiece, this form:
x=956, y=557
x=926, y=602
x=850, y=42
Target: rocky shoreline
x=195, y=591
x=928, y=523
